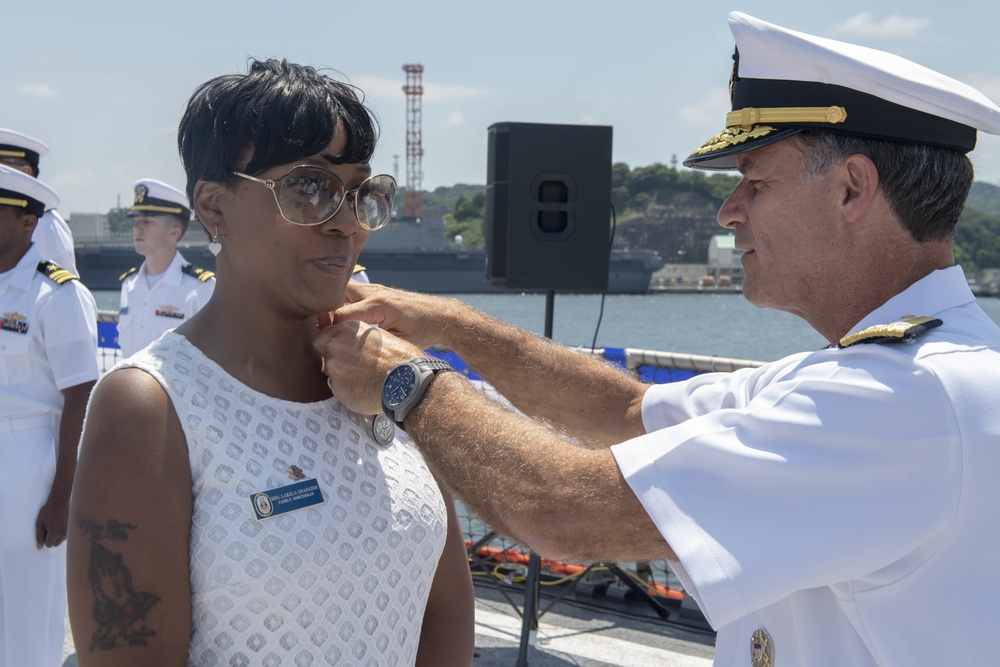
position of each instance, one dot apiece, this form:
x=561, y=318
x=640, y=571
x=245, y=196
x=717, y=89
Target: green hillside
x=674, y=213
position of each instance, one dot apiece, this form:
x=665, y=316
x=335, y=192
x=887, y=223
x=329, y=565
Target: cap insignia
x=761, y=649
x=732, y=136
x=734, y=76
x=904, y=330
x=140, y=193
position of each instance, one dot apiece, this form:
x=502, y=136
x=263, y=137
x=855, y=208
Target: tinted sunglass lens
x=310, y=196
x=376, y=201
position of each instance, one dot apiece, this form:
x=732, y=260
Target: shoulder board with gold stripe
x=358, y=268
x=204, y=275
x=128, y=273
x=903, y=330
x=55, y=273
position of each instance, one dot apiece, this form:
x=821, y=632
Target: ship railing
x=651, y=366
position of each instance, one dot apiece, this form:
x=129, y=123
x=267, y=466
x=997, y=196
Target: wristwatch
x=405, y=385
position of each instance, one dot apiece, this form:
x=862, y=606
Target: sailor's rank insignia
x=204, y=275
x=903, y=330
x=761, y=649
x=55, y=273
x=128, y=273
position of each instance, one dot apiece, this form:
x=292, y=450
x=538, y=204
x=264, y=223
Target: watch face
x=398, y=385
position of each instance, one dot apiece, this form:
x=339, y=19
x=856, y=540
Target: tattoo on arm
x=119, y=610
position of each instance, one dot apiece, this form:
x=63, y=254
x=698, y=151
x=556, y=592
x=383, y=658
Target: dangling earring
x=215, y=247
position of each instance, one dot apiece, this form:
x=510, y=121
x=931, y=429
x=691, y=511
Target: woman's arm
x=129, y=525
x=448, y=636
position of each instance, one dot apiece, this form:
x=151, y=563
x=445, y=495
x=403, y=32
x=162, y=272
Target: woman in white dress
x=227, y=510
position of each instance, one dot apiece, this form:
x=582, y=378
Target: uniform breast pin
x=383, y=429
x=296, y=473
x=761, y=649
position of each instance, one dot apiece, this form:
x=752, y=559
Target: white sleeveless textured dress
x=344, y=582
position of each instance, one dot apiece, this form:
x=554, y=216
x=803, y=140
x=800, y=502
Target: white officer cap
x=15, y=144
x=784, y=82
x=27, y=192
x=154, y=197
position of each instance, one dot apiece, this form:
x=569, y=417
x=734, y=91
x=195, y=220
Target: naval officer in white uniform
x=52, y=235
x=836, y=507
x=166, y=290
x=48, y=365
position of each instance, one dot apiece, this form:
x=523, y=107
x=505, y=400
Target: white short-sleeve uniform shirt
x=843, y=501
x=146, y=313
x=48, y=339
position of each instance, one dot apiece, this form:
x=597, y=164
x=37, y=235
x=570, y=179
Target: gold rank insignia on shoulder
x=55, y=273
x=204, y=275
x=903, y=330
x=128, y=273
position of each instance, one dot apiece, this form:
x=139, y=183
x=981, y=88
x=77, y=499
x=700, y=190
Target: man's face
x=18, y=163
x=15, y=234
x=152, y=233
x=785, y=224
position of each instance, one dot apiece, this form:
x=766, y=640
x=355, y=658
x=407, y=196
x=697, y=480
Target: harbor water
x=723, y=325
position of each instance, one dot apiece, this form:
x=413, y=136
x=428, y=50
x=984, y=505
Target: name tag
x=286, y=498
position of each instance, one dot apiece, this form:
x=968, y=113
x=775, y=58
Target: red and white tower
x=414, y=90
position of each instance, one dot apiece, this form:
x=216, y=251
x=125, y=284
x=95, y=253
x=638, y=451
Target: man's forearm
x=70, y=428
x=526, y=481
x=591, y=400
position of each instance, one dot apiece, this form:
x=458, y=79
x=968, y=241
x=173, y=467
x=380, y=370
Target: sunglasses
x=309, y=195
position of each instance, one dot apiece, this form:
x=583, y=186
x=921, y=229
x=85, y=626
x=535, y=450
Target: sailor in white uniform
x=52, y=235
x=166, y=289
x=48, y=365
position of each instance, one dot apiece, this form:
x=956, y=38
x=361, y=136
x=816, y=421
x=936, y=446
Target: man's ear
x=860, y=185
x=30, y=221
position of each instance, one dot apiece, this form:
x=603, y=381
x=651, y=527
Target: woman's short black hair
x=274, y=114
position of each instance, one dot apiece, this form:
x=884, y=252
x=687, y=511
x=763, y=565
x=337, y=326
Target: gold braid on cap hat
x=752, y=115
x=750, y=123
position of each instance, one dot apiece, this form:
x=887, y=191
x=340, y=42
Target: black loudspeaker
x=548, y=207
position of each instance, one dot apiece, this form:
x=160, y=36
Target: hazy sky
x=104, y=83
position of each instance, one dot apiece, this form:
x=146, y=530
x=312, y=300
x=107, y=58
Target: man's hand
x=356, y=358
x=50, y=526
x=421, y=319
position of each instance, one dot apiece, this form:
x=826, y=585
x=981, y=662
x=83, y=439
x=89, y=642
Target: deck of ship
x=572, y=633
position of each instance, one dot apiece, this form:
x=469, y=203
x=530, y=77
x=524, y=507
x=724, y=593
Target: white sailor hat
x=19, y=189
x=17, y=145
x=784, y=82
x=154, y=197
